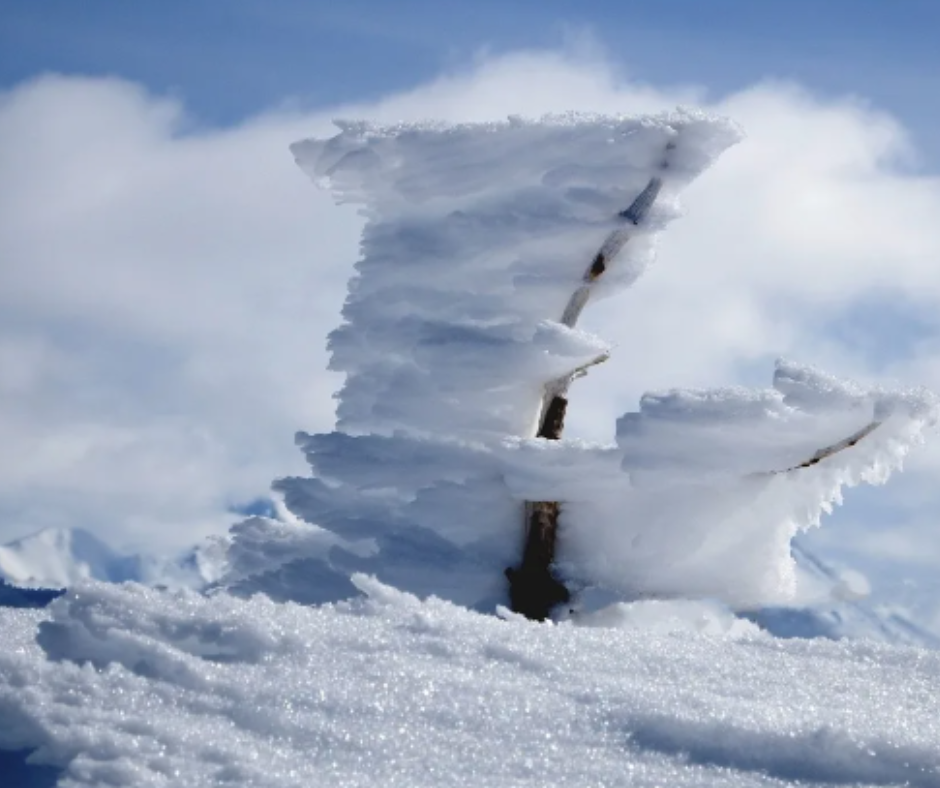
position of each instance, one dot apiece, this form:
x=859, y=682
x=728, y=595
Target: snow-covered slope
x=835, y=604
x=60, y=557
x=133, y=687
x=290, y=561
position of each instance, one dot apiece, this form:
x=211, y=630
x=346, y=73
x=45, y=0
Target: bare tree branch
x=533, y=588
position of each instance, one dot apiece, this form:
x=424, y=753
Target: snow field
x=130, y=686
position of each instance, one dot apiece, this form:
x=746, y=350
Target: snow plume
x=477, y=237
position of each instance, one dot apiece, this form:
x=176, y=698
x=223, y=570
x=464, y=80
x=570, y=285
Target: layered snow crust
x=130, y=686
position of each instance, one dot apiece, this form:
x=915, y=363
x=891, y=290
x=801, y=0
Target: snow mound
x=129, y=686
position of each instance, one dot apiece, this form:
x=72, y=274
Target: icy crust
x=129, y=686
x=477, y=235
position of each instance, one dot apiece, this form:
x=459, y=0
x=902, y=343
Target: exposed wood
x=534, y=590
x=554, y=421
x=559, y=388
x=828, y=451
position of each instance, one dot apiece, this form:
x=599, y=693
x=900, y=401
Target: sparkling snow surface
x=144, y=688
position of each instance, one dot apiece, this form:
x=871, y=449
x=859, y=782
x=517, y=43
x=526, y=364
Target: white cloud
x=165, y=294
x=165, y=289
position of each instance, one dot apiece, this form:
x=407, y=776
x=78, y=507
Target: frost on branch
x=482, y=245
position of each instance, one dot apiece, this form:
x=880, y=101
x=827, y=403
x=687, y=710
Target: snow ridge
x=59, y=557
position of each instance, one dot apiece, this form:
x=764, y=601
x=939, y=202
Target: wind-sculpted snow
x=703, y=496
x=476, y=237
x=133, y=687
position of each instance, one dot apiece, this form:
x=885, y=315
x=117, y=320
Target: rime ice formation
x=473, y=259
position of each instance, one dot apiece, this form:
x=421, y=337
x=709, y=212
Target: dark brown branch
x=828, y=451
x=534, y=590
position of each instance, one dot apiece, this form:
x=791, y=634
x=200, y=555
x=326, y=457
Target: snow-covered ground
x=129, y=686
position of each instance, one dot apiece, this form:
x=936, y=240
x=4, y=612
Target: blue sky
x=228, y=60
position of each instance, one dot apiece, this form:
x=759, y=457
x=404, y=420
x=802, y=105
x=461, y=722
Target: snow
x=148, y=688
x=476, y=241
x=834, y=602
x=60, y=557
x=476, y=237
x=700, y=497
x=360, y=635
